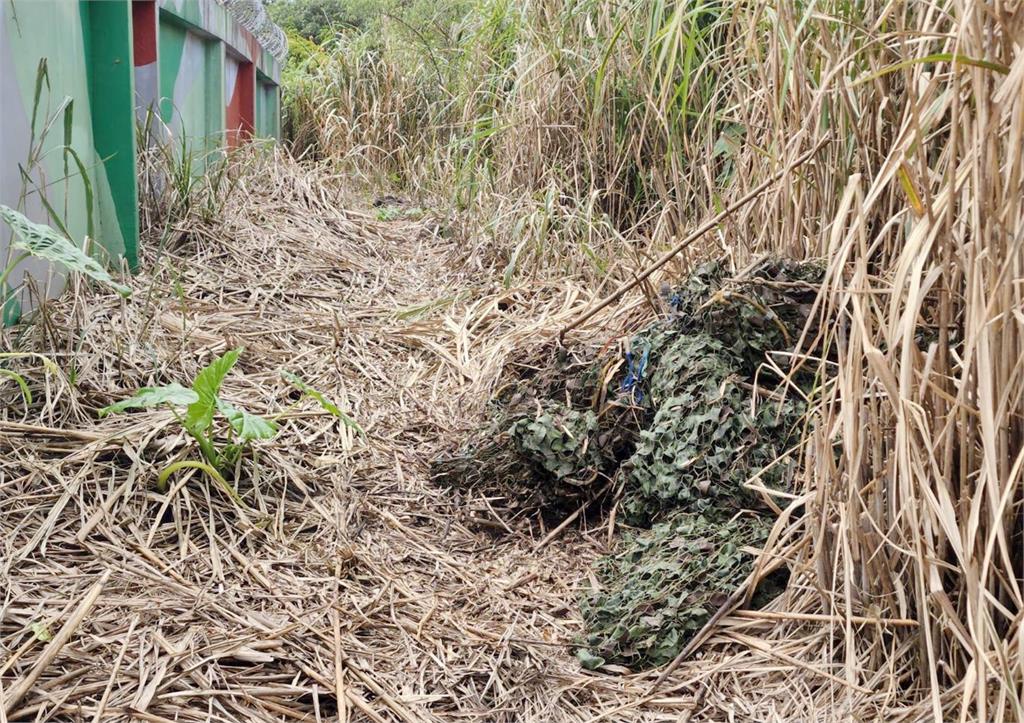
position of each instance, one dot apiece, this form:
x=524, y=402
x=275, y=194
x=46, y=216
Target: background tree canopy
x=319, y=20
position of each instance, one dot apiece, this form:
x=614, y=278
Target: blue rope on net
x=636, y=366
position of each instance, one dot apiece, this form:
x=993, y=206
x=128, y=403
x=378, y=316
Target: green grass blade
x=323, y=401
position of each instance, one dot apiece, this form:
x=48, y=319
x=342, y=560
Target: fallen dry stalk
x=54, y=647
x=689, y=241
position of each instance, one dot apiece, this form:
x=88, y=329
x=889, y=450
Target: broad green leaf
x=324, y=402
x=172, y=394
x=207, y=384
x=247, y=426
x=42, y=241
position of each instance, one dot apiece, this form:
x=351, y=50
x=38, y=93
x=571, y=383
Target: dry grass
x=584, y=133
x=905, y=541
x=349, y=586
x=345, y=552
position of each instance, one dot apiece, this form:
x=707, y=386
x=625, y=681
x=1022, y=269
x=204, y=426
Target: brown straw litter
x=350, y=587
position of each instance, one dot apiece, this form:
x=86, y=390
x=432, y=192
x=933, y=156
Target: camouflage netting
x=545, y=448
x=664, y=584
x=694, y=412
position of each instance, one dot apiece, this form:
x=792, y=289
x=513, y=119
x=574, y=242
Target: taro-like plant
x=37, y=239
x=201, y=402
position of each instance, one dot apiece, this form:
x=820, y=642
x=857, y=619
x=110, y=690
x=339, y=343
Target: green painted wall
x=268, y=116
x=68, y=108
x=107, y=30
x=64, y=117
x=192, y=85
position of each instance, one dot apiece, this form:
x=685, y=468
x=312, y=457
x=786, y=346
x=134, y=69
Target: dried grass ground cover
x=344, y=554
x=577, y=126
x=350, y=587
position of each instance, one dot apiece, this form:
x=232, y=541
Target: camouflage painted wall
x=77, y=75
x=205, y=65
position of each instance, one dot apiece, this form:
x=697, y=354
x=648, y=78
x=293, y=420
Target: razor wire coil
x=252, y=16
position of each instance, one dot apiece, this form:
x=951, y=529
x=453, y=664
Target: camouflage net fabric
x=696, y=407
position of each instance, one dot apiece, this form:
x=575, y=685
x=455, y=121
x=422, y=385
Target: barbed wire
x=252, y=16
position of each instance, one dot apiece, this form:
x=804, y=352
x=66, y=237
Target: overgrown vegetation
x=854, y=423
x=578, y=137
x=42, y=241
x=54, y=242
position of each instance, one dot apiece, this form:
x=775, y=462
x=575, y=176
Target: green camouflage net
x=545, y=449
x=664, y=585
x=708, y=435
x=558, y=440
x=694, y=414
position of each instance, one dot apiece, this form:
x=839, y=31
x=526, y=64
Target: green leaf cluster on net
x=664, y=584
x=559, y=440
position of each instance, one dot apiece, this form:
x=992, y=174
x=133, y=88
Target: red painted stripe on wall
x=144, y=31
x=241, y=108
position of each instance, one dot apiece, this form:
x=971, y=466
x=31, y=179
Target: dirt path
x=350, y=587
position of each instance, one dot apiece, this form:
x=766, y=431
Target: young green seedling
x=201, y=402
